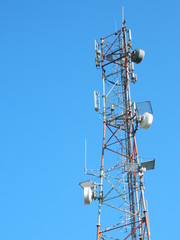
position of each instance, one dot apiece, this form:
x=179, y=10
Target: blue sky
x=47, y=79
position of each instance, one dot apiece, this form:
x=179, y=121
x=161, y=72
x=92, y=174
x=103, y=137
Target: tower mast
x=122, y=210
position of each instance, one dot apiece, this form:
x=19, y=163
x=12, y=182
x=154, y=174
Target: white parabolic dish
x=147, y=120
x=87, y=195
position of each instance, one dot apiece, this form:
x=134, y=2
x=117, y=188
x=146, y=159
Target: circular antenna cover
x=137, y=55
x=87, y=195
x=147, y=120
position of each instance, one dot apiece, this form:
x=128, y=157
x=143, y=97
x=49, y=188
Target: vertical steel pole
x=128, y=129
x=102, y=160
x=143, y=200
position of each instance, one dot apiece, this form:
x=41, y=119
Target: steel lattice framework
x=120, y=191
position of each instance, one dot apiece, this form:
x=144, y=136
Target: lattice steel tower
x=122, y=211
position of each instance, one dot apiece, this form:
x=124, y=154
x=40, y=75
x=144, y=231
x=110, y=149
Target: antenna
x=122, y=15
x=97, y=53
x=115, y=27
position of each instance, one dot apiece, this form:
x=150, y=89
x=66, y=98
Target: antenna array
x=122, y=211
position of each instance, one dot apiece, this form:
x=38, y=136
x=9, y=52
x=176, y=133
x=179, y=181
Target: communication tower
x=122, y=209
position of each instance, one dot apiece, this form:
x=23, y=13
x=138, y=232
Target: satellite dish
x=87, y=195
x=147, y=119
x=137, y=55
x=144, y=114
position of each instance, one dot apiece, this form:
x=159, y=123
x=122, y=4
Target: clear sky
x=47, y=79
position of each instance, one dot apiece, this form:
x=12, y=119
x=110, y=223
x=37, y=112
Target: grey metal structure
x=122, y=211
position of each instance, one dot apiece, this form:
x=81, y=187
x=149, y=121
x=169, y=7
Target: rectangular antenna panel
x=96, y=101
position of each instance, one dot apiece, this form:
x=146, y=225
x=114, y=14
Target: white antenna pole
x=85, y=167
x=115, y=27
x=122, y=14
x=99, y=107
